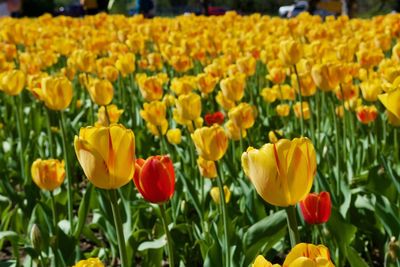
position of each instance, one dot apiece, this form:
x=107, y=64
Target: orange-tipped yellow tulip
x=48, y=174
x=211, y=142
x=243, y=115
x=305, y=255
x=12, y=82
x=113, y=115
x=306, y=110
x=282, y=110
x=106, y=154
x=233, y=87
x=207, y=168
x=325, y=76
x=56, y=92
x=188, y=108
x=282, y=173
x=290, y=52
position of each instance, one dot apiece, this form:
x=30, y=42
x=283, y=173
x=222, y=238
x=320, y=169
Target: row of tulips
x=160, y=112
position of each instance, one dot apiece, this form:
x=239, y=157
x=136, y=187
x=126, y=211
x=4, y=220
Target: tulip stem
x=49, y=134
x=168, y=235
x=292, y=225
x=118, y=227
x=344, y=124
x=224, y=215
x=301, y=101
x=16, y=105
x=67, y=170
x=53, y=209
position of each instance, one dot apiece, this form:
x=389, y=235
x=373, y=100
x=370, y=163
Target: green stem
x=67, y=170
x=53, y=209
x=18, y=117
x=336, y=149
x=168, y=235
x=344, y=124
x=301, y=101
x=292, y=225
x=49, y=134
x=226, y=248
x=118, y=227
x=396, y=146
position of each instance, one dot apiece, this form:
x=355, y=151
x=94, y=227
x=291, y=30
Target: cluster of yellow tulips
x=147, y=109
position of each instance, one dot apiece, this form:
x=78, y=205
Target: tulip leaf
x=388, y=215
x=354, y=258
x=83, y=210
x=263, y=235
x=155, y=244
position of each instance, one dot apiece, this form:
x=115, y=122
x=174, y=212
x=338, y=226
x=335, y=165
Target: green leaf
x=263, y=235
x=83, y=210
x=354, y=258
x=155, y=244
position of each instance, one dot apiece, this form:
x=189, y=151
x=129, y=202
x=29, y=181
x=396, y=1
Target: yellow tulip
x=243, y=115
x=48, y=174
x=154, y=112
x=277, y=75
x=371, y=89
x=158, y=130
x=214, y=192
x=304, y=255
x=126, y=64
x=306, y=110
x=307, y=84
x=290, y=52
x=151, y=87
x=12, y=82
x=207, y=168
x=224, y=102
x=109, y=73
x=187, y=108
x=233, y=87
x=282, y=173
x=206, y=82
x=183, y=85
x=260, y=261
x=101, y=92
x=325, y=76
x=269, y=95
x=233, y=132
x=181, y=63
x=272, y=136
x=106, y=155
x=247, y=65
x=391, y=101
x=113, y=114
x=211, y=142
x=174, y=136
x=91, y=262
x=392, y=119
x=56, y=92
x=283, y=110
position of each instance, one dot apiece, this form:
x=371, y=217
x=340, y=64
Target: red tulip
x=316, y=208
x=155, y=178
x=217, y=117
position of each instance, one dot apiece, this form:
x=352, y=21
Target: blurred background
x=150, y=8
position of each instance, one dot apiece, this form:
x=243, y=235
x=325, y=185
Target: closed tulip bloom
x=91, y=262
x=155, y=178
x=181, y=63
x=306, y=110
x=211, y=142
x=126, y=64
x=12, y=82
x=391, y=101
x=325, y=76
x=154, y=112
x=307, y=84
x=277, y=75
x=260, y=261
x=151, y=87
x=56, y=92
x=106, y=155
x=290, y=52
x=113, y=115
x=101, y=92
x=233, y=87
x=48, y=174
x=188, y=108
x=305, y=255
x=206, y=82
x=109, y=73
x=247, y=65
x=224, y=102
x=269, y=95
x=282, y=173
x=174, y=136
x=217, y=117
x=207, y=168
x=214, y=192
x=366, y=114
x=243, y=115
x=316, y=208
x=183, y=85
x=233, y=132
x=371, y=89
x=339, y=110
x=283, y=110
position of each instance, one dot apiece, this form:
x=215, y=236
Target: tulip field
x=200, y=141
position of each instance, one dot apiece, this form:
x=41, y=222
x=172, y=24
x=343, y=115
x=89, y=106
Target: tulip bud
x=101, y=92
x=316, y=208
x=155, y=178
x=36, y=238
x=283, y=110
x=174, y=136
x=12, y=82
x=215, y=195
